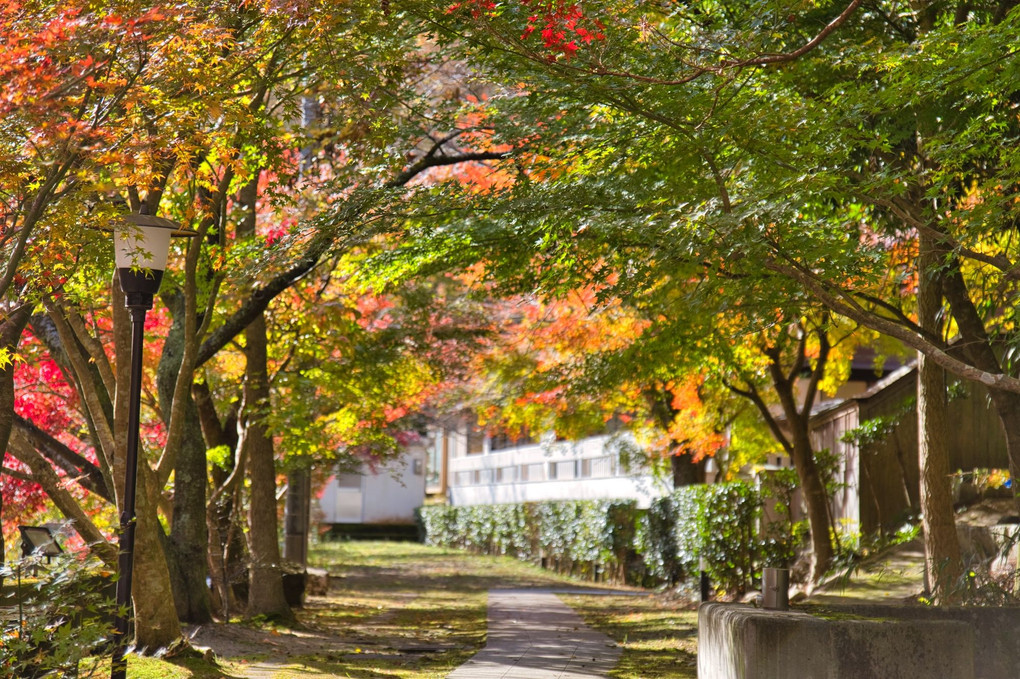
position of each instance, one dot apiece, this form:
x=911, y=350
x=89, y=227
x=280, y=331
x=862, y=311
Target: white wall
x=396, y=491
x=391, y=494
x=590, y=469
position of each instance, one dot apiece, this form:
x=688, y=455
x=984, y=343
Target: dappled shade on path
x=533, y=635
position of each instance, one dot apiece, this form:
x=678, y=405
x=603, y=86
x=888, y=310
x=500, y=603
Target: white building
x=465, y=466
x=387, y=495
x=471, y=468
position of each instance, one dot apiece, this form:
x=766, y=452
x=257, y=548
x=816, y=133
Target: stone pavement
x=534, y=635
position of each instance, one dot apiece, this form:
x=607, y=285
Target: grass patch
x=659, y=637
x=157, y=668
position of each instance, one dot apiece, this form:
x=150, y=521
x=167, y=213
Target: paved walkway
x=534, y=635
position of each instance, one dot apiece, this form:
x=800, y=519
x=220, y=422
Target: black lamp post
x=142, y=246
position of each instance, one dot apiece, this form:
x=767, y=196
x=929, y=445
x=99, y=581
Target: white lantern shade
x=143, y=242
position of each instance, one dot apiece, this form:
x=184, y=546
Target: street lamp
x=142, y=245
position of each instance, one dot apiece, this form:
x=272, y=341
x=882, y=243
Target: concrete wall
x=741, y=642
x=996, y=632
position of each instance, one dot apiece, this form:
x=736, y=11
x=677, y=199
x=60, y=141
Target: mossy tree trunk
x=188, y=536
x=941, y=543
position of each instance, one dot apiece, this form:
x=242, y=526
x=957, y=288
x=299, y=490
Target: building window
x=584, y=468
x=435, y=463
x=349, y=481
x=553, y=472
x=506, y=474
x=475, y=441
x=564, y=470
x=474, y=436
x=503, y=441
x=603, y=467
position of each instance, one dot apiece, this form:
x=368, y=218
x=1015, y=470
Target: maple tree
x=68, y=69
x=208, y=136
x=673, y=153
x=574, y=364
x=183, y=112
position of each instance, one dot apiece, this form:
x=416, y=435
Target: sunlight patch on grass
x=658, y=637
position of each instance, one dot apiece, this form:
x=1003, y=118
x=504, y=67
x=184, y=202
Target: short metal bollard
x=706, y=585
x=775, y=586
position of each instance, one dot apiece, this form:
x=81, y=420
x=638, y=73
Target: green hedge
x=581, y=537
x=720, y=522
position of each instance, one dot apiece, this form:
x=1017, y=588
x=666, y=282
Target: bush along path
x=720, y=525
x=407, y=610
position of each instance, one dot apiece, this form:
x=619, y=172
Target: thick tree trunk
x=941, y=543
x=227, y=553
x=10, y=333
x=226, y=550
x=799, y=445
x=816, y=500
x=265, y=575
x=188, y=535
x=265, y=581
x=687, y=472
x=156, y=623
x=188, y=532
x=296, y=518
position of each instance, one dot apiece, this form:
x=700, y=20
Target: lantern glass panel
x=144, y=247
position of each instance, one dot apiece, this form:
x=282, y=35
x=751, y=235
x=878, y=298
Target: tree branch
x=88, y=475
x=807, y=47
x=106, y=445
x=842, y=303
x=430, y=160
x=53, y=485
x=752, y=395
x=260, y=298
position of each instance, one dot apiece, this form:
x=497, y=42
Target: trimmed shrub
x=581, y=537
x=663, y=545
x=720, y=522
